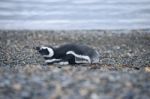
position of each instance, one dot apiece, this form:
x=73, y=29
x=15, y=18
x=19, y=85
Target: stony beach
x=122, y=73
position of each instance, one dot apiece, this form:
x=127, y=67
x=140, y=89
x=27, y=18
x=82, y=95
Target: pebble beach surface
x=122, y=73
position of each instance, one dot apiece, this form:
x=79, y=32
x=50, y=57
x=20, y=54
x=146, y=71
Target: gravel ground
x=123, y=71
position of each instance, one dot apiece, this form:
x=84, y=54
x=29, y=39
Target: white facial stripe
x=79, y=56
x=50, y=50
x=52, y=60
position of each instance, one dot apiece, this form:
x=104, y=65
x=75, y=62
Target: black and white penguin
x=71, y=53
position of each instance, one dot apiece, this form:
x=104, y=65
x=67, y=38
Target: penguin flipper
x=71, y=59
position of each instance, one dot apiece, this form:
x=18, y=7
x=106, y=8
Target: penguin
x=72, y=53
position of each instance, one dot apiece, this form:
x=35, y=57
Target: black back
x=61, y=51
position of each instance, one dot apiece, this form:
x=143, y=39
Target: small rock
x=84, y=92
x=116, y=47
x=25, y=95
x=17, y=87
x=147, y=69
x=128, y=95
x=6, y=82
x=94, y=96
x=129, y=54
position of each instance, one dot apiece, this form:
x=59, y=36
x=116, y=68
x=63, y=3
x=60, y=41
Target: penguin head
x=45, y=51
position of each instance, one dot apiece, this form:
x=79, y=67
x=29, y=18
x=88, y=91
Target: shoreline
x=118, y=31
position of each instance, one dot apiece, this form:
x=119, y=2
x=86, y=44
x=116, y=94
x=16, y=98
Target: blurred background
x=74, y=14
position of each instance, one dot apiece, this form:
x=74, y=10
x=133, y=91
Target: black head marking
x=45, y=51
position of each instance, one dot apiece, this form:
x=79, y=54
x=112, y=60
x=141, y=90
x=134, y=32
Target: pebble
x=25, y=95
x=94, y=96
x=116, y=47
x=17, y=87
x=128, y=95
x=147, y=69
x=83, y=92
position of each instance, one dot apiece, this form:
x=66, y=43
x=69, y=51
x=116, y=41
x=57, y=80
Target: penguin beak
x=36, y=48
